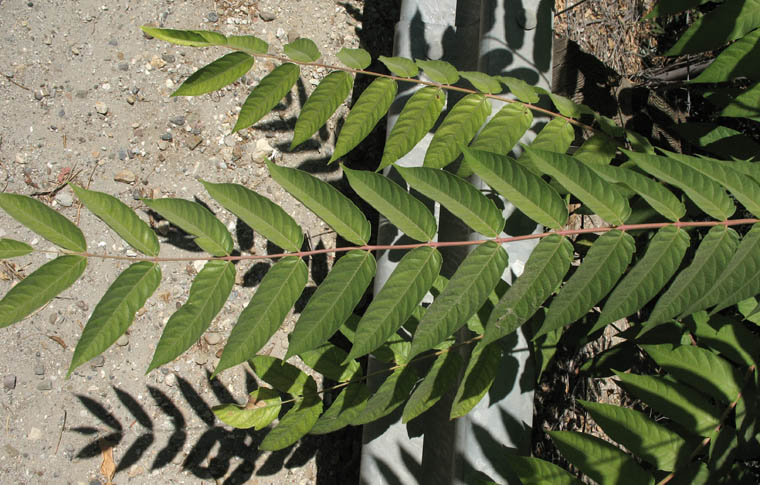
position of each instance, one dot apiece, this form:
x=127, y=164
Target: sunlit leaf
x=729, y=21
x=555, y=136
x=281, y=375
x=568, y=107
x=442, y=376
x=262, y=408
x=439, y=71
x=482, y=81
x=354, y=58
x=44, y=221
x=400, y=66
x=216, y=75
x=248, y=43
x=297, y=422
x=194, y=38
x=740, y=59
x=391, y=394
x=302, y=50
x=522, y=90
x=10, y=248
x=597, y=150
x=266, y=95
x=458, y=127
x=191, y=217
x=322, y=103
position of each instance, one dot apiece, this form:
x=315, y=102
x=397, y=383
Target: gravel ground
x=85, y=97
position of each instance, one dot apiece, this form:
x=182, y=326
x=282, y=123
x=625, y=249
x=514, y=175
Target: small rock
x=212, y=17
x=167, y=137
x=131, y=99
x=122, y=154
x=280, y=33
x=82, y=305
x=170, y=379
x=123, y=341
x=53, y=318
x=11, y=451
x=125, y=176
x=124, y=66
x=64, y=198
x=168, y=58
x=177, y=120
x=213, y=338
x=9, y=382
x=157, y=63
x=98, y=361
x=39, y=369
x=163, y=145
x=34, y=434
x=267, y=15
x=101, y=108
x=130, y=253
x=222, y=165
x=194, y=141
x=45, y=385
x=263, y=148
x=201, y=359
x=113, y=42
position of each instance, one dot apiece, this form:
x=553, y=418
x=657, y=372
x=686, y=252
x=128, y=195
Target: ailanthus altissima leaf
x=354, y=58
x=263, y=315
x=597, y=150
x=417, y=118
x=729, y=21
x=333, y=301
x=434, y=385
x=325, y=201
x=407, y=285
x=401, y=208
x=546, y=267
x=468, y=288
x=211, y=235
x=528, y=192
x=662, y=259
x=569, y=108
x=458, y=196
x=262, y=408
x=582, y=182
x=116, y=310
x=731, y=338
x=44, y=221
x=302, y=50
x=266, y=95
x=522, y=90
x=706, y=193
x=330, y=361
x=400, y=66
x=556, y=136
x=740, y=59
x=10, y=248
x=694, y=282
x=603, y=265
x=216, y=75
x=482, y=81
x=281, y=375
x=391, y=394
x=120, y=218
x=459, y=126
x=347, y=407
x=600, y=460
x=646, y=439
x=209, y=291
x=297, y=422
x=534, y=471
x=439, y=71
x=372, y=105
x=322, y=103
x=248, y=43
x=193, y=38
x=40, y=287
x=263, y=215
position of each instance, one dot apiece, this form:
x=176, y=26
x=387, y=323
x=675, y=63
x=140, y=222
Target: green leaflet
x=482, y=81
x=331, y=362
x=120, y=218
x=740, y=59
x=40, y=287
x=402, y=209
x=248, y=43
x=44, y=221
x=720, y=140
x=473, y=281
x=501, y=133
x=302, y=50
x=458, y=127
x=405, y=288
x=372, y=105
x=263, y=215
x=603, y=265
x=10, y=248
x=597, y=150
x=739, y=278
x=528, y=192
x=440, y=72
x=115, y=312
x=745, y=189
x=193, y=38
x=582, y=182
x=522, y=90
x=434, y=385
x=458, y=196
x=731, y=338
x=417, y=118
x=556, y=136
x=297, y=422
x=727, y=22
x=662, y=9
x=600, y=460
x=698, y=367
x=263, y=315
x=347, y=407
x=325, y=201
x=284, y=377
x=322, y=103
x=662, y=259
x=262, y=408
x=654, y=193
x=209, y=291
x=646, y=439
x=391, y=394
x=569, y=108
x=687, y=407
x=400, y=66
x=694, y=282
x=706, y=193
x=534, y=471
x=478, y=378
x=546, y=267
x=354, y=58
x=266, y=95
x=216, y=75
x=333, y=301
x=211, y=235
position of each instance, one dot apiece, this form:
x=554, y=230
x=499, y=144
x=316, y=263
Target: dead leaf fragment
x=58, y=340
x=108, y=467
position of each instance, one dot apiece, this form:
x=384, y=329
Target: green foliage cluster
x=669, y=262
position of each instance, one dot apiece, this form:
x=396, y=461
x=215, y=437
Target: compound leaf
x=262, y=408
x=400, y=66
x=458, y=127
x=302, y=50
x=44, y=221
x=325, y=201
x=266, y=95
x=193, y=38
x=248, y=43
x=209, y=291
x=439, y=71
x=10, y=248
x=354, y=58
x=216, y=75
x=322, y=103
x=211, y=235
x=115, y=312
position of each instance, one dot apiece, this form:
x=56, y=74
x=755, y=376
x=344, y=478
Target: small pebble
x=131, y=99
x=45, y=385
x=35, y=434
x=194, y=141
x=166, y=137
x=82, y=305
x=212, y=17
x=101, y=107
x=125, y=176
x=280, y=33
x=124, y=66
x=201, y=359
x=267, y=15
x=9, y=382
x=163, y=145
x=168, y=58
x=53, y=318
x=98, y=361
x=123, y=341
x=170, y=380
x=213, y=338
x=64, y=198
x=113, y=42
x=122, y=154
x=39, y=369
x=177, y=120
